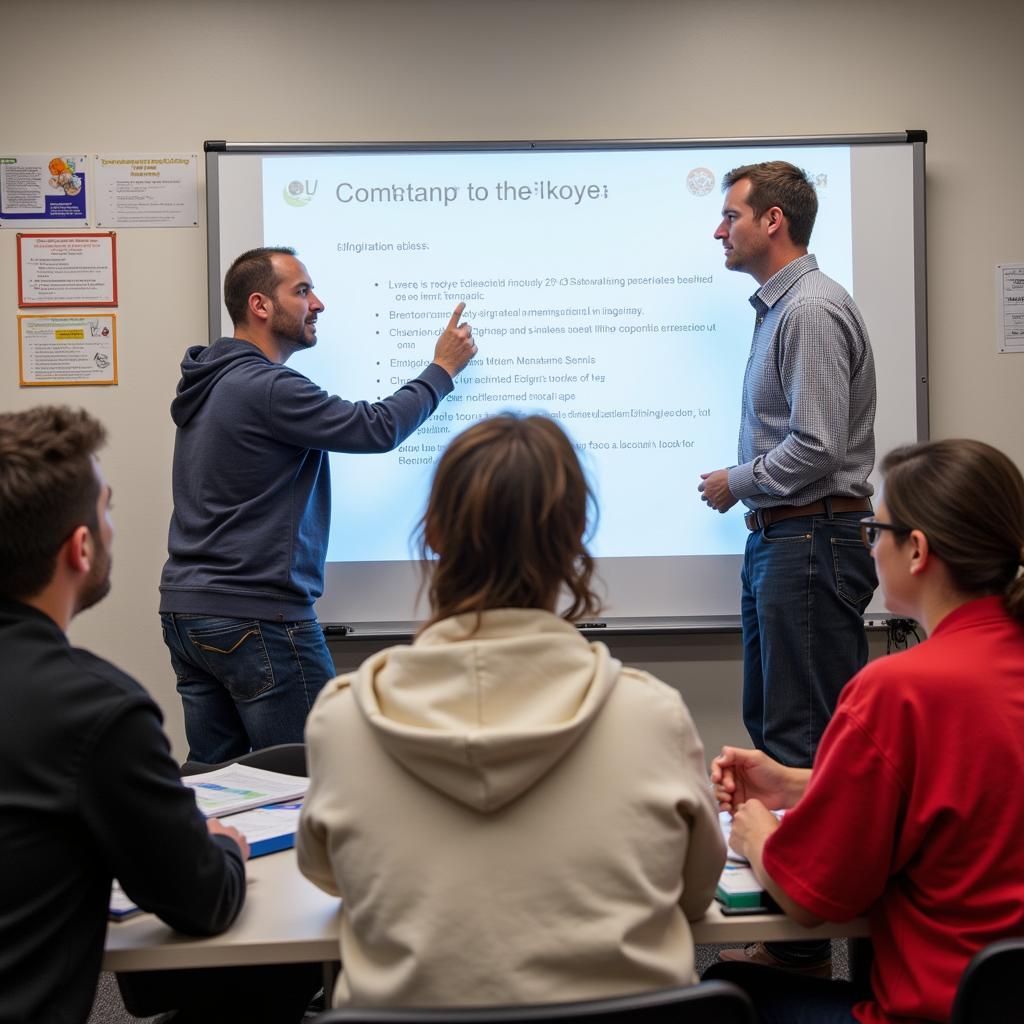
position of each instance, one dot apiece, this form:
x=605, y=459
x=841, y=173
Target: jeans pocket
x=309, y=633
x=236, y=655
x=854, y=571
x=784, y=533
x=311, y=654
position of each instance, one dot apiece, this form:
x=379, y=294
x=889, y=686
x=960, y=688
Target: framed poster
x=67, y=350
x=67, y=270
x=43, y=191
x=146, y=191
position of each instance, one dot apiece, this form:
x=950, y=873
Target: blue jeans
x=806, y=583
x=245, y=684
x=781, y=997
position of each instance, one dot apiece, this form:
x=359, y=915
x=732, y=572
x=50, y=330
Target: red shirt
x=914, y=814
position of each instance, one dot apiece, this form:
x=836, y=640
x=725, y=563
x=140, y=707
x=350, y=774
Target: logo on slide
x=700, y=181
x=299, y=193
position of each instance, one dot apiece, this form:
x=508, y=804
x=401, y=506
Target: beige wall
x=162, y=77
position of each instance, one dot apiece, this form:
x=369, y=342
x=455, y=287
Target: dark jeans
x=785, y=998
x=806, y=582
x=245, y=684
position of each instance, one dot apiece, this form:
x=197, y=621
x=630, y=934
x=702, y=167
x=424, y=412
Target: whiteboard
x=597, y=295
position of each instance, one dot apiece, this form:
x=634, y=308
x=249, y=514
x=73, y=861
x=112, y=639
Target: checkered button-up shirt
x=807, y=421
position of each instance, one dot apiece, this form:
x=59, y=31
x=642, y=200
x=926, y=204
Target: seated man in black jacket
x=88, y=789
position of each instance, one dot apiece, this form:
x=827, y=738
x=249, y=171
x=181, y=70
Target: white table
x=288, y=920
x=285, y=919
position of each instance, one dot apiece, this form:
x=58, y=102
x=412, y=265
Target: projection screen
x=597, y=295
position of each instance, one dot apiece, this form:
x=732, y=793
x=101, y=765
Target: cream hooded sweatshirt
x=510, y=816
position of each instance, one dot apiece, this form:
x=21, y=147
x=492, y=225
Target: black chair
x=286, y=758
x=991, y=989
x=710, y=1002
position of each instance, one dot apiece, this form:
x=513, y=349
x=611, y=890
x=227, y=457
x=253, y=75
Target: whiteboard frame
x=362, y=575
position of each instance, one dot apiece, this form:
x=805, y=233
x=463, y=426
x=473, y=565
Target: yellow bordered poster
x=67, y=350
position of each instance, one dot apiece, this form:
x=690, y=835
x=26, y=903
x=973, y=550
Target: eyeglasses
x=871, y=531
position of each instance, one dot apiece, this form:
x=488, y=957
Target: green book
x=739, y=889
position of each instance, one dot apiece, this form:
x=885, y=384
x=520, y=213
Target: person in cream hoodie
x=508, y=813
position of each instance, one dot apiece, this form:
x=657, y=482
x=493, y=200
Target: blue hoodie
x=251, y=480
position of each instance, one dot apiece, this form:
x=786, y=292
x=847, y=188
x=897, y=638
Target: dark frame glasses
x=871, y=530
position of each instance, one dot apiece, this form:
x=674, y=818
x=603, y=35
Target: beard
x=96, y=585
x=290, y=329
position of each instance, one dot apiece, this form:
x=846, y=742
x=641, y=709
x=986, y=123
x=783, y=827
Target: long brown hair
x=968, y=499
x=507, y=518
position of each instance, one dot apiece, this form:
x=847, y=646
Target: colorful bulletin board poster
x=67, y=270
x=43, y=191
x=67, y=350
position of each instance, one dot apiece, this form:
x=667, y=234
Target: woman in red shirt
x=912, y=813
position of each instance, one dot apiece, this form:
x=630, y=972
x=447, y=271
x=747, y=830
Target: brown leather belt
x=760, y=518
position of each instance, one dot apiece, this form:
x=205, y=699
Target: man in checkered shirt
x=806, y=447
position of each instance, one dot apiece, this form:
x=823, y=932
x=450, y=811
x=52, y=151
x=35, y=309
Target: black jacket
x=88, y=792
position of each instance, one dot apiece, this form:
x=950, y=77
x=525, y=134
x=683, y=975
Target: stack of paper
x=268, y=829
x=120, y=906
x=739, y=888
x=725, y=824
x=264, y=806
x=239, y=787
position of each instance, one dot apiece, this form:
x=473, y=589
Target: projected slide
x=596, y=292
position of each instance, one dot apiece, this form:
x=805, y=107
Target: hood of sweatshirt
x=202, y=367
x=483, y=714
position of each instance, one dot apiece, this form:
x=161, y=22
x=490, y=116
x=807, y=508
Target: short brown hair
x=48, y=488
x=252, y=272
x=507, y=517
x=967, y=498
x=781, y=184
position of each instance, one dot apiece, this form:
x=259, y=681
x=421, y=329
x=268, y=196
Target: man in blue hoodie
x=252, y=506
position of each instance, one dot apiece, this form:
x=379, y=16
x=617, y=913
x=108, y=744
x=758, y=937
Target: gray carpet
x=108, y=1008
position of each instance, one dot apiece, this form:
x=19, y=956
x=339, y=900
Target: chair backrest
x=286, y=758
x=991, y=989
x=710, y=1002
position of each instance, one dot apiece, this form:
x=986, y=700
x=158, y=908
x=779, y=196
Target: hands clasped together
x=750, y=785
